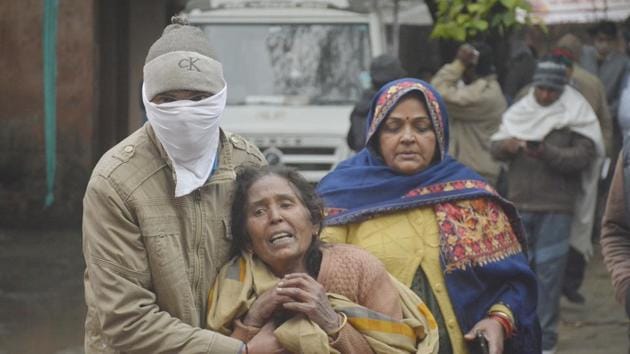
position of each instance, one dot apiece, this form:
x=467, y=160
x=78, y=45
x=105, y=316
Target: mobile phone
x=480, y=345
x=533, y=144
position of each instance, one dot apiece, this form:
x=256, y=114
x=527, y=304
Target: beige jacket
x=474, y=112
x=591, y=87
x=150, y=257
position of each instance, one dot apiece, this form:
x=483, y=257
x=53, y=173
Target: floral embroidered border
x=474, y=233
x=449, y=187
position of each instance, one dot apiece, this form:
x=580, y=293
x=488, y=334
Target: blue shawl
x=363, y=187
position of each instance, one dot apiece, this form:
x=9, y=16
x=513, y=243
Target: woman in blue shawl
x=436, y=225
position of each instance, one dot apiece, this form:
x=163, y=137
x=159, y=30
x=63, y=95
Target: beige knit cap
x=181, y=59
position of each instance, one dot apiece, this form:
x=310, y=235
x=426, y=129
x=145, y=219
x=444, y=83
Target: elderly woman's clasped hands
x=299, y=293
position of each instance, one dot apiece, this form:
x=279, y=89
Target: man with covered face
x=552, y=141
x=156, y=209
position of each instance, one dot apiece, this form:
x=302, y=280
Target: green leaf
x=496, y=20
x=480, y=25
x=462, y=19
x=510, y=4
x=443, y=7
x=474, y=7
x=524, y=5
x=487, y=5
x=509, y=19
x=459, y=34
x=439, y=31
x=456, y=9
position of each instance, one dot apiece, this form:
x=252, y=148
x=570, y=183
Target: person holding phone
x=552, y=141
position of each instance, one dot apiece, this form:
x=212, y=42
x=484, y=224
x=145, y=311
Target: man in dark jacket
x=550, y=139
x=383, y=69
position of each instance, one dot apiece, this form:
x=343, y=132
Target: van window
x=292, y=63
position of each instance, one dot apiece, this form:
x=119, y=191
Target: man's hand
x=468, y=55
x=534, y=149
x=512, y=145
x=265, y=342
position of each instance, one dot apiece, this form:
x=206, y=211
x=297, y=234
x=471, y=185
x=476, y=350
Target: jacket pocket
x=163, y=249
x=162, y=239
x=170, y=274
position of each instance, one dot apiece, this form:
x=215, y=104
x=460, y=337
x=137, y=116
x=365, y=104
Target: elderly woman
x=287, y=291
x=436, y=225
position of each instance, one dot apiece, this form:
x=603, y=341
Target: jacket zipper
x=196, y=247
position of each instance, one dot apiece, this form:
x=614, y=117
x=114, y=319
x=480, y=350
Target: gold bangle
x=503, y=309
x=344, y=320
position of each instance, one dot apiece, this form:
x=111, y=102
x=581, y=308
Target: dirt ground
x=42, y=308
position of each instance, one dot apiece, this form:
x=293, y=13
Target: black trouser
x=576, y=265
x=574, y=272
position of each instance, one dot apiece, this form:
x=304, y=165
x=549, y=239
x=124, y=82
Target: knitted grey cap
x=181, y=59
x=551, y=75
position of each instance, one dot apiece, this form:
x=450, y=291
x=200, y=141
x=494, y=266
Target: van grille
x=314, y=157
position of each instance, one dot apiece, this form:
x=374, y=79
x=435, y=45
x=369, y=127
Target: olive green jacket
x=150, y=257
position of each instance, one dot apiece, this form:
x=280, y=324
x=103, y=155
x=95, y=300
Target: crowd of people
x=466, y=213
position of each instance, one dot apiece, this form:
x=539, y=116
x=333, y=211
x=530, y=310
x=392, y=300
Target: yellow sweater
x=404, y=241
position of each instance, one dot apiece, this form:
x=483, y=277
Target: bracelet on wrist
x=503, y=315
x=344, y=320
x=508, y=329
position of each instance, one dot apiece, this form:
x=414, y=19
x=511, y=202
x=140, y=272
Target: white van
x=294, y=71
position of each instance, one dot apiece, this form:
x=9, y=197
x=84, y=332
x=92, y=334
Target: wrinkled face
x=406, y=138
x=278, y=224
x=546, y=96
x=179, y=95
x=603, y=44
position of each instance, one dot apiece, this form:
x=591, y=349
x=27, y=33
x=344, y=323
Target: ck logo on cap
x=189, y=64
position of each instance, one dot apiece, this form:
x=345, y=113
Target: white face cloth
x=189, y=132
x=528, y=120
